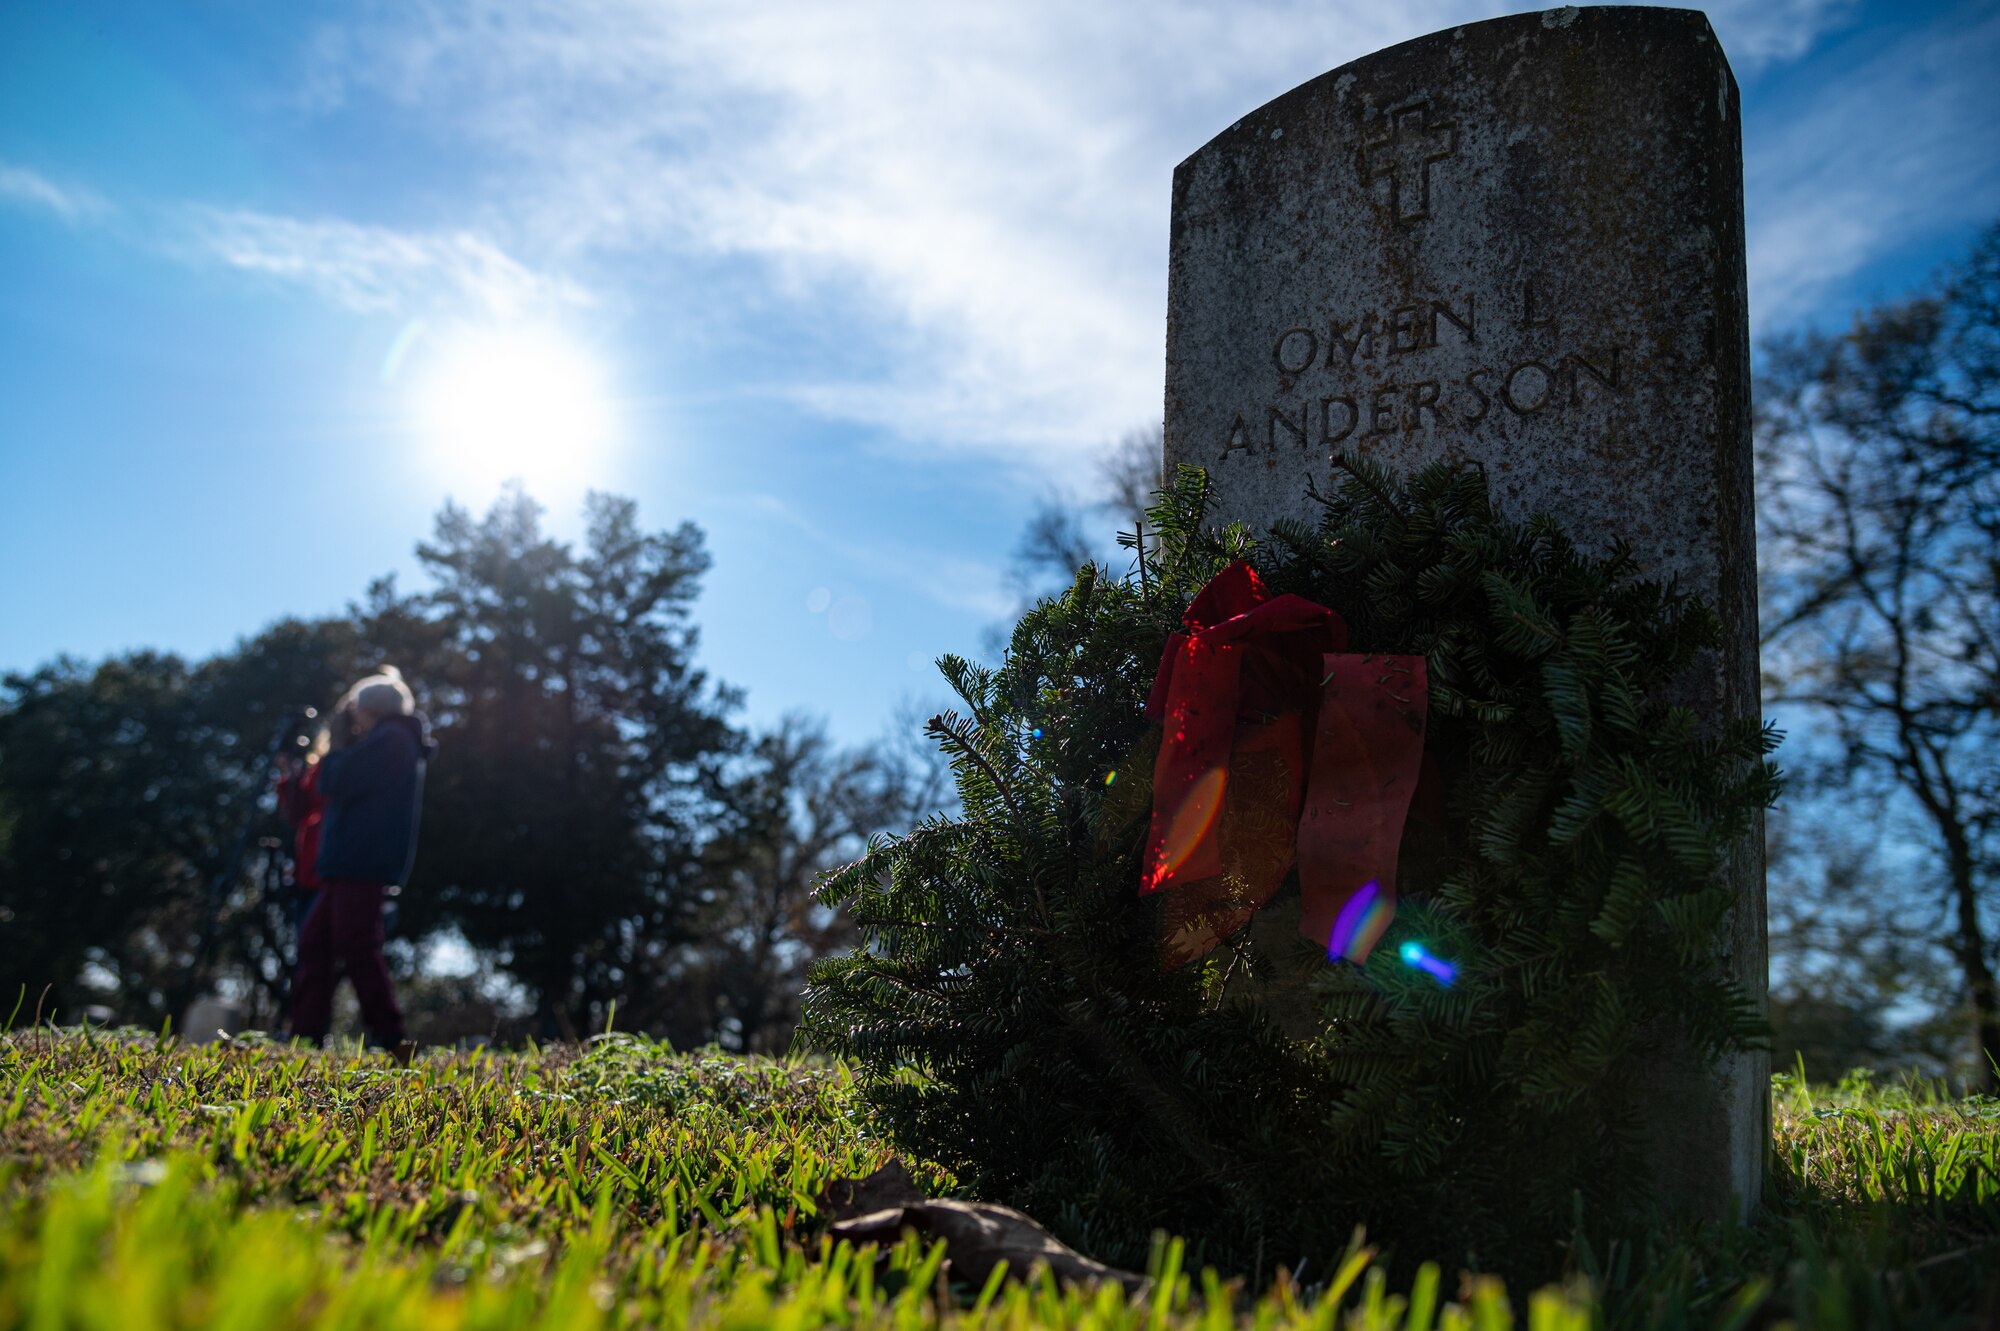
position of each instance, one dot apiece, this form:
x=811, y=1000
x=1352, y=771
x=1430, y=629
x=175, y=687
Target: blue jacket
x=374, y=791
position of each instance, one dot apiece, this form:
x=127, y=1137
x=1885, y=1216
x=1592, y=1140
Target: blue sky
x=849, y=285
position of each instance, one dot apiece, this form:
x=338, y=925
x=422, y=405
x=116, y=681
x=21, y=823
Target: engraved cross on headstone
x=1402, y=151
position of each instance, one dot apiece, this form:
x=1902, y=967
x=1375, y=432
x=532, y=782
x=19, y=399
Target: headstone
x=1517, y=243
x=211, y=1018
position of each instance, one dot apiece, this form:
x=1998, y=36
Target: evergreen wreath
x=1007, y=1012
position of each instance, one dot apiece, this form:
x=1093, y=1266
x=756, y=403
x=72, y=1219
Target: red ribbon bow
x=1279, y=747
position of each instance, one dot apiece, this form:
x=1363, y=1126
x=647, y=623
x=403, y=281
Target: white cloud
x=1760, y=32
x=981, y=192
x=19, y=185
x=370, y=268
x=364, y=268
x=975, y=197
x=1902, y=144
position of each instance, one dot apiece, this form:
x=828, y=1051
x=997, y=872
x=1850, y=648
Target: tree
x=109, y=839
x=796, y=808
x=561, y=822
x=1129, y=474
x=1852, y=986
x=1056, y=543
x=580, y=830
x=1879, y=458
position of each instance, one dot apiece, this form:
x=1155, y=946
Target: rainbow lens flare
x=399, y=350
x=1360, y=924
x=1443, y=972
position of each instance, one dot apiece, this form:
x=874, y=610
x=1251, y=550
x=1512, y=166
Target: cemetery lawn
x=246, y=1185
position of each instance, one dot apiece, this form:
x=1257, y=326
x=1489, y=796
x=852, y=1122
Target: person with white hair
x=373, y=785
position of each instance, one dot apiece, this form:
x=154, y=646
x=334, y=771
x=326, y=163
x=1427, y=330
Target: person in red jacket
x=304, y=809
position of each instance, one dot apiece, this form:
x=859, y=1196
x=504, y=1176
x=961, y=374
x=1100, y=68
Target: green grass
x=149, y=1185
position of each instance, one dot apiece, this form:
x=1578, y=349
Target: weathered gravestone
x=1517, y=243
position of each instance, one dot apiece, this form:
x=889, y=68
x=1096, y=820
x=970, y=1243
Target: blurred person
x=372, y=785
x=304, y=809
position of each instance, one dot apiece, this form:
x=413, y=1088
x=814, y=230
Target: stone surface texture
x=1518, y=243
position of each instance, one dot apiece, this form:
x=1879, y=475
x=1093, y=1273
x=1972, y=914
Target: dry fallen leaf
x=977, y=1235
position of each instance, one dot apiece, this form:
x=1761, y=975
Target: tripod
x=293, y=733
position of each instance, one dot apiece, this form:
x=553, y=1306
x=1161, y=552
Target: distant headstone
x=211, y=1018
x=1517, y=243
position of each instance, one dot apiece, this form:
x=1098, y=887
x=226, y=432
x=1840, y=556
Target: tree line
x=596, y=828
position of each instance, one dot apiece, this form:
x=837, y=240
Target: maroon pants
x=343, y=931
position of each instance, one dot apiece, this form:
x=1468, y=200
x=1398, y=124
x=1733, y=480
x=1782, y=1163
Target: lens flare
x=1189, y=826
x=1360, y=923
x=392, y=363
x=1414, y=955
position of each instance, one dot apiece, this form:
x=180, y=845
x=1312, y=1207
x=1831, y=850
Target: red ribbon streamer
x=1366, y=760
x=1278, y=747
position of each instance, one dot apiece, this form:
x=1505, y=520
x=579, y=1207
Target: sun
x=494, y=404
